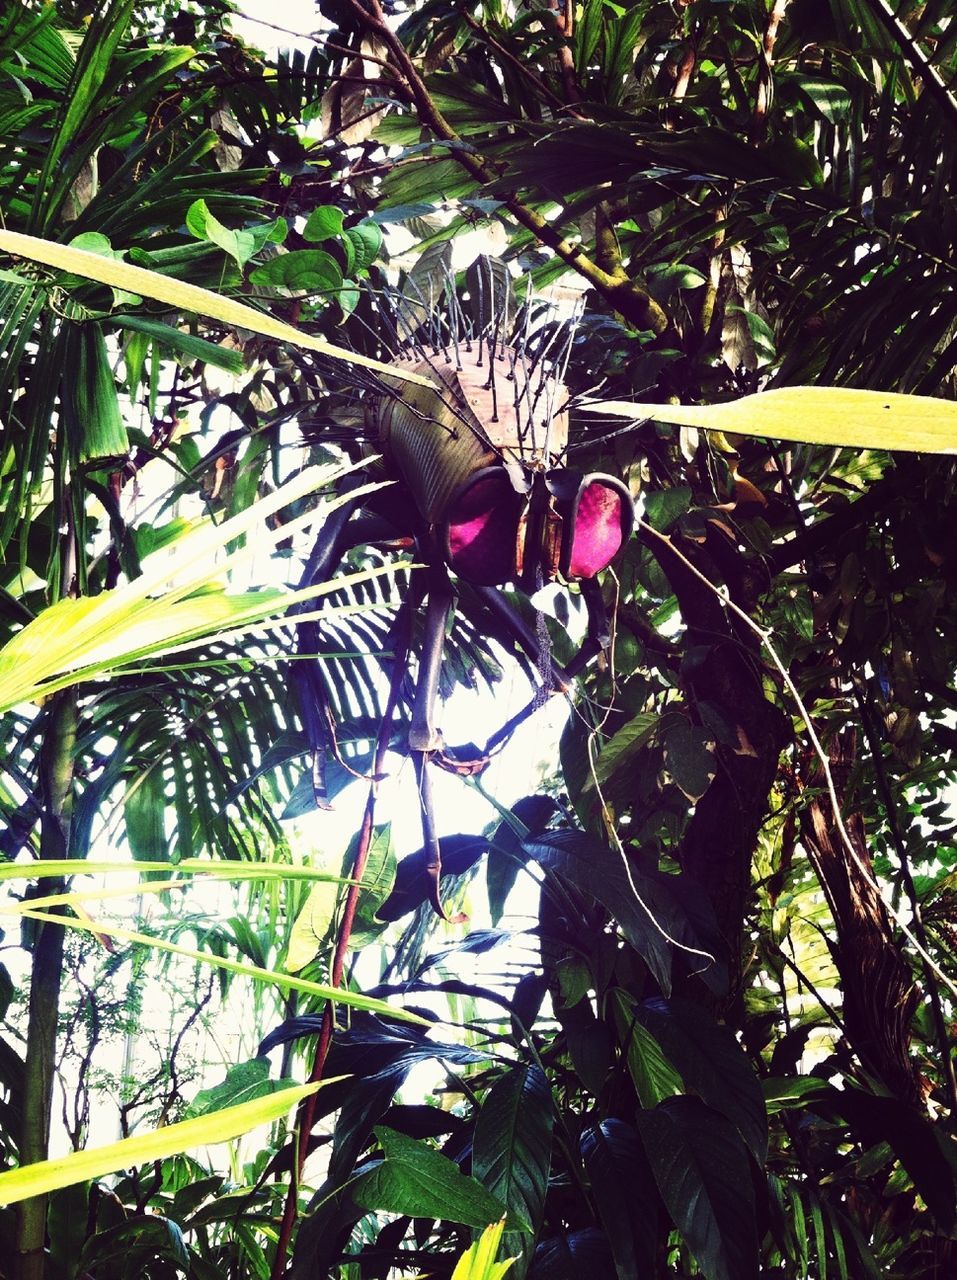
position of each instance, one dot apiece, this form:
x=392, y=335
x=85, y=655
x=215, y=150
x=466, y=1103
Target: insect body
x=477, y=459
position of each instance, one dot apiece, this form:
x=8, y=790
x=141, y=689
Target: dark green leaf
x=511, y=1153
x=711, y=1064
x=701, y=1167
x=689, y=756
x=417, y=1180
x=625, y=1192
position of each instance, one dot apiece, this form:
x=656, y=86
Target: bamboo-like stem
x=56, y=794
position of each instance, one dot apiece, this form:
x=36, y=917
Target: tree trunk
x=56, y=798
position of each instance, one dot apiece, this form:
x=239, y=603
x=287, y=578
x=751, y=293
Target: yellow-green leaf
x=81, y=1166
x=182, y=296
x=815, y=415
x=478, y=1262
x=106, y=929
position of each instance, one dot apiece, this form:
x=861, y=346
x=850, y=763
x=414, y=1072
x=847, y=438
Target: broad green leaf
x=712, y=1064
x=240, y=245
x=183, y=296
x=91, y=409
x=313, y=924
x=629, y=739
x=324, y=223
x=701, y=1167
x=478, y=1261
x=689, y=757
x=816, y=415
x=95, y=1162
x=244, y=1082
x=511, y=1152
x=366, y=241
x=302, y=271
x=655, y=1076
x=144, y=812
x=285, y=981
x=415, y=1179
x=664, y=506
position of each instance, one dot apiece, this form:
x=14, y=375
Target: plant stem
x=56, y=796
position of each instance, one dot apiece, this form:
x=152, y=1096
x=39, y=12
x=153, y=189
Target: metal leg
x=423, y=736
x=521, y=634
x=599, y=632
x=306, y=678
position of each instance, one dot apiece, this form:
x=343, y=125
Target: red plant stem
x=307, y=1112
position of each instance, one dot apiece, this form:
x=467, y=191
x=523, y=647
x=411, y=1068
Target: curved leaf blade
x=701, y=1167
x=173, y=1139
x=839, y=416
x=511, y=1152
x=182, y=296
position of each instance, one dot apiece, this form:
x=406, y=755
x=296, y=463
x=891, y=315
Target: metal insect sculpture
x=481, y=494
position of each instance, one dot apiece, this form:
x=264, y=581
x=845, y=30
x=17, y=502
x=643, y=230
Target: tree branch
x=634, y=303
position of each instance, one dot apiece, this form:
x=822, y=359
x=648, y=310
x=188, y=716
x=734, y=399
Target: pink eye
x=600, y=528
x=483, y=530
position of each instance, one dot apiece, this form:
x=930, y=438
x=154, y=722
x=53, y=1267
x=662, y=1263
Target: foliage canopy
x=726, y=1046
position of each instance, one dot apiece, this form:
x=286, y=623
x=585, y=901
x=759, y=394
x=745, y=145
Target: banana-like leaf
x=814, y=415
x=341, y=995
x=183, y=296
x=171, y=1140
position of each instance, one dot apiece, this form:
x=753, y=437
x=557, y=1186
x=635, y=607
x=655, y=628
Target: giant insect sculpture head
x=479, y=453
x=476, y=449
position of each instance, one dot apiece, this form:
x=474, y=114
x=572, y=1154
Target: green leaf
x=270, y=977
x=302, y=271
x=366, y=241
x=416, y=1180
x=240, y=245
x=655, y=1076
x=629, y=739
x=173, y=1139
x=511, y=1152
x=184, y=344
x=817, y=415
x=144, y=812
x=94, y=242
x=94, y=422
x=712, y=1064
x=701, y=1167
x=623, y=1188
x=244, y=1082
x=664, y=506
x=170, y=606
x=831, y=99
x=324, y=223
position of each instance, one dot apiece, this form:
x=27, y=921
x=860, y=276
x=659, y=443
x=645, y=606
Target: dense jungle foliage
x=723, y=1046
